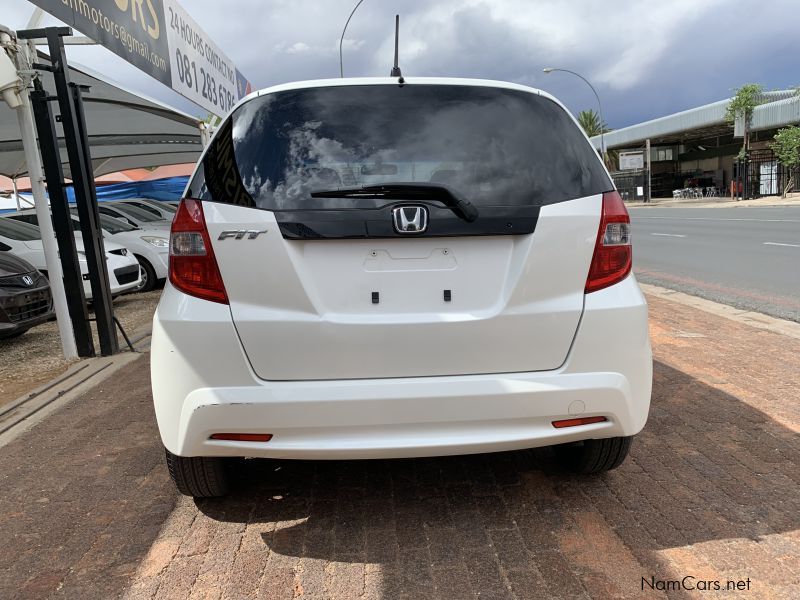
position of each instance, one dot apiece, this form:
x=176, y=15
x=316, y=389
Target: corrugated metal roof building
x=697, y=147
x=781, y=109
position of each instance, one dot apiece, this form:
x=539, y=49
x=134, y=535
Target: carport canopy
x=126, y=130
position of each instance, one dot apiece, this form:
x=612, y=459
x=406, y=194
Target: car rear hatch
x=337, y=217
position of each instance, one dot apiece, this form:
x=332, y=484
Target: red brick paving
x=711, y=490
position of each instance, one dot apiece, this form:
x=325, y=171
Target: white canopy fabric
x=126, y=130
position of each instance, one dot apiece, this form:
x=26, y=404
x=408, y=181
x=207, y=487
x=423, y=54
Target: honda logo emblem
x=27, y=280
x=410, y=219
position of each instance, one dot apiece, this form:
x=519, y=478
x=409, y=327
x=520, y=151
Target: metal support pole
x=69, y=265
x=16, y=192
x=648, y=192
x=746, y=179
x=54, y=271
x=22, y=61
x=205, y=134
x=76, y=141
x=91, y=229
x=746, y=161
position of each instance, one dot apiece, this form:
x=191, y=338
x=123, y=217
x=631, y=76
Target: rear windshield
x=150, y=208
x=167, y=207
x=495, y=147
x=19, y=231
x=114, y=225
x=137, y=213
x=110, y=224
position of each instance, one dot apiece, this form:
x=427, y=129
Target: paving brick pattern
x=711, y=490
x=83, y=494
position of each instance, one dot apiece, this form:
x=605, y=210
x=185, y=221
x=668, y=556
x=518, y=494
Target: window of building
x=663, y=154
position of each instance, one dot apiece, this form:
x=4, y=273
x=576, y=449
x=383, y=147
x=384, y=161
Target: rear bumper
x=201, y=388
x=403, y=417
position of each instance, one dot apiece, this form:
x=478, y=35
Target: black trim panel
x=377, y=223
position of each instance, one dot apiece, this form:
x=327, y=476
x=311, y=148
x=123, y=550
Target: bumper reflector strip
x=242, y=437
x=578, y=421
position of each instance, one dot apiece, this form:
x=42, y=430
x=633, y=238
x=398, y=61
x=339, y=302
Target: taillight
x=612, y=258
x=192, y=266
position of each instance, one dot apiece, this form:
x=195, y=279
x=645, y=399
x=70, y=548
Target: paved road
x=745, y=257
x=711, y=491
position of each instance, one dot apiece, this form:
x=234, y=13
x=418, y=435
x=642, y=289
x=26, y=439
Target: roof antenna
x=396, y=69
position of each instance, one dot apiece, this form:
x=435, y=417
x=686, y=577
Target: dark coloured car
x=25, y=298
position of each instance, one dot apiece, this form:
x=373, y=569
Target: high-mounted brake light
x=192, y=266
x=612, y=257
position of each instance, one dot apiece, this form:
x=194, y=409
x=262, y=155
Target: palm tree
x=591, y=123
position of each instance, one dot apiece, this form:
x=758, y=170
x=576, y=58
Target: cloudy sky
x=645, y=58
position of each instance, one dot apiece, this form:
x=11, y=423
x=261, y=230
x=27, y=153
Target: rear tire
x=198, y=476
x=594, y=456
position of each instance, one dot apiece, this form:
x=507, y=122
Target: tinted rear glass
x=114, y=225
x=137, y=213
x=19, y=231
x=496, y=147
x=110, y=224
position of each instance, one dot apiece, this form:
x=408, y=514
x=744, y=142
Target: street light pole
x=341, y=39
x=599, y=105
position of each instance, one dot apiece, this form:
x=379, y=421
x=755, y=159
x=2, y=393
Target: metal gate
x=631, y=185
x=766, y=176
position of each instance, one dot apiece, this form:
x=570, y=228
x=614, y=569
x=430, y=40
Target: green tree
x=787, y=148
x=591, y=123
x=744, y=101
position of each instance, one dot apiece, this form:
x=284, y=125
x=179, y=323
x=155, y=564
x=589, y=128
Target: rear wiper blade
x=408, y=191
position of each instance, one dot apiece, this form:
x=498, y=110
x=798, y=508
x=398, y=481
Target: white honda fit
x=377, y=268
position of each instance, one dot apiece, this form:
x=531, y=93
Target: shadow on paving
x=84, y=494
x=707, y=467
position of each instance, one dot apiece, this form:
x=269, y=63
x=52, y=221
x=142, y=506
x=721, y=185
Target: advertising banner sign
x=161, y=39
x=201, y=71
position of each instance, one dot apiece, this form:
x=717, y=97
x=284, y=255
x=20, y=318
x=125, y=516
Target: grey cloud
x=646, y=59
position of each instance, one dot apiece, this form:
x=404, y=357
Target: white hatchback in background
x=25, y=240
x=132, y=215
x=150, y=247
x=374, y=268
